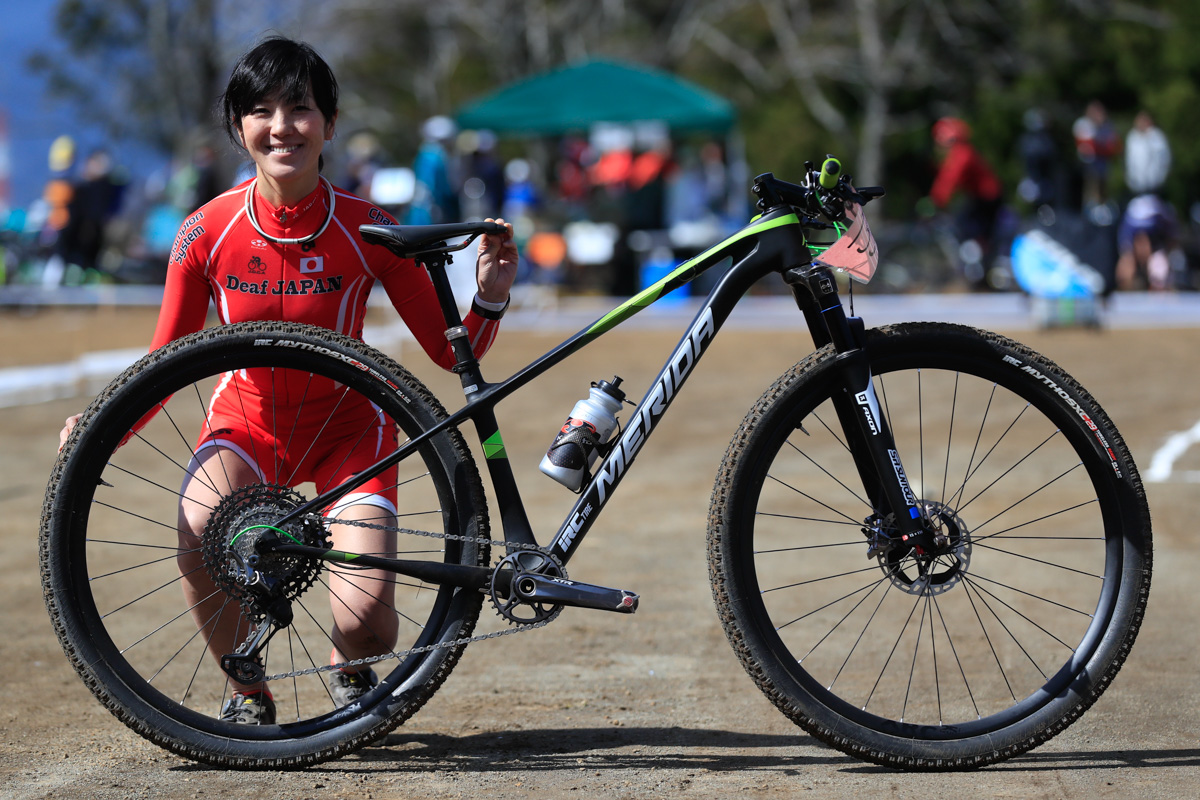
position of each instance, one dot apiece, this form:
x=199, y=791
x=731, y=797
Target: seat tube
x=514, y=518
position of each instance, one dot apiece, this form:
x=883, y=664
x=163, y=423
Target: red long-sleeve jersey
x=218, y=255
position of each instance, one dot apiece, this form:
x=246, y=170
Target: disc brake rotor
x=935, y=573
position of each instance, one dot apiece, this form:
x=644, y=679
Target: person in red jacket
x=964, y=171
x=284, y=245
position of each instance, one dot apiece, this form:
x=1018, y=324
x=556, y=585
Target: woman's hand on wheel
x=68, y=426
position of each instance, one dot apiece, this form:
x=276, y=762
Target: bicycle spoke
x=807, y=496
x=981, y=590
x=870, y=587
x=957, y=660
x=835, y=479
x=1009, y=471
x=861, y=635
x=819, y=580
x=147, y=594
x=1029, y=495
x=950, y=436
x=325, y=424
x=1005, y=532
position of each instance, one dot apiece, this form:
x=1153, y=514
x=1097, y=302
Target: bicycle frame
x=771, y=243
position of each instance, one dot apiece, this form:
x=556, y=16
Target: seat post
x=436, y=267
x=466, y=366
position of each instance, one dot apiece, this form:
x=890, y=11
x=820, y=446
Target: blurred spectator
x=1040, y=159
x=1145, y=238
x=520, y=195
x=1096, y=143
x=362, y=150
x=964, y=171
x=612, y=169
x=688, y=198
x=436, y=197
x=483, y=177
x=58, y=190
x=195, y=182
x=716, y=177
x=571, y=175
x=91, y=204
x=1147, y=156
x=96, y=200
x=646, y=183
x=546, y=252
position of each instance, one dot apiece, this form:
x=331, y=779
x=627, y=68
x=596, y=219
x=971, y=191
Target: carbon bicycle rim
x=113, y=565
x=943, y=661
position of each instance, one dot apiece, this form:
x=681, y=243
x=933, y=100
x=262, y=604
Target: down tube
x=716, y=310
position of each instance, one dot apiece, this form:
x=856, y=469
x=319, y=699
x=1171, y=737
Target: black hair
x=277, y=66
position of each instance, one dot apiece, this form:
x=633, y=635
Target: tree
x=152, y=70
x=863, y=70
x=412, y=59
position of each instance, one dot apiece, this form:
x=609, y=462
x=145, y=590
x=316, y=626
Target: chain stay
x=521, y=628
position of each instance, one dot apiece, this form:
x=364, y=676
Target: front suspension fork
x=868, y=434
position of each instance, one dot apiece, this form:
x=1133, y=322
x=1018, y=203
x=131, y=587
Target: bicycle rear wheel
x=112, y=564
x=950, y=661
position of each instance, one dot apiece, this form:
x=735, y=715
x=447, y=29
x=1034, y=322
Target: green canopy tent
x=576, y=97
x=580, y=97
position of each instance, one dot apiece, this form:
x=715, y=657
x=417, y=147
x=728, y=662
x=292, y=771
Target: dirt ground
x=609, y=706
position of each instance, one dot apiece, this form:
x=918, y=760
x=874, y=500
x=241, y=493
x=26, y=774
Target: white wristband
x=495, y=308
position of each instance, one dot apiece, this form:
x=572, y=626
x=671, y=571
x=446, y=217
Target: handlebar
x=821, y=194
x=829, y=172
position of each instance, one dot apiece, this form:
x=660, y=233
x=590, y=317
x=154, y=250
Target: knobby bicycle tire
x=110, y=558
x=992, y=648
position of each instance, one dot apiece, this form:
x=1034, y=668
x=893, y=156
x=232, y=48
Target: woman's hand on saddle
x=496, y=265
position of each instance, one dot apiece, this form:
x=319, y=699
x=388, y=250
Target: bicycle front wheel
x=117, y=573
x=933, y=661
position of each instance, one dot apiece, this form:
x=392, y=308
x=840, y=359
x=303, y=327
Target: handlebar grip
x=831, y=170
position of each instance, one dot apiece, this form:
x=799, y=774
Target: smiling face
x=284, y=138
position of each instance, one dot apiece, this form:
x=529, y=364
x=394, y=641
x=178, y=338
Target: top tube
x=685, y=273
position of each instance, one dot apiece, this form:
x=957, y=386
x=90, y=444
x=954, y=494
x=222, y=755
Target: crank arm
x=534, y=588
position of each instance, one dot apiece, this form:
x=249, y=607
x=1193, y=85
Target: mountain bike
x=928, y=545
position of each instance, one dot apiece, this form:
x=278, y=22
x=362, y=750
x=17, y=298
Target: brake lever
x=866, y=194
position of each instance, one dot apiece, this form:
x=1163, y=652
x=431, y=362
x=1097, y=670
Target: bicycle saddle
x=408, y=241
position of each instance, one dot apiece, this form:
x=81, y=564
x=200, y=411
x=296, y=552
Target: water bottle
x=592, y=421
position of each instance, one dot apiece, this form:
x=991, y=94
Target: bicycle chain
x=367, y=660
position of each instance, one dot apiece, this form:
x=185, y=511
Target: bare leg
x=363, y=601
x=215, y=472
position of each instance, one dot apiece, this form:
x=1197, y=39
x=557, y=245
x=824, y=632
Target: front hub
x=935, y=571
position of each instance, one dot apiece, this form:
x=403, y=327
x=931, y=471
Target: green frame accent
x=493, y=447
x=651, y=294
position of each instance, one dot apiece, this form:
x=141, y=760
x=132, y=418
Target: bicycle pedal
x=534, y=588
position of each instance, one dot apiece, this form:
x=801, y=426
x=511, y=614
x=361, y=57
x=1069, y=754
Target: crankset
x=528, y=586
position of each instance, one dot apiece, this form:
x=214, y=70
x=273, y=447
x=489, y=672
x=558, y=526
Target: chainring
x=503, y=592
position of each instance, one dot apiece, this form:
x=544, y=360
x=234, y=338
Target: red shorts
x=325, y=440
